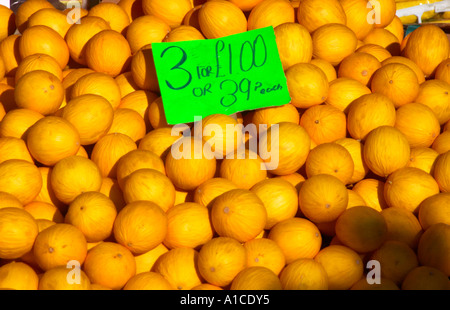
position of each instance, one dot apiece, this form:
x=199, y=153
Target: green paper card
x=232, y=74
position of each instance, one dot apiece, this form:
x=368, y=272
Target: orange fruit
x=333, y=42
x=294, y=43
x=44, y=210
x=362, y=228
x=74, y=175
x=57, y=279
x=238, y=214
x=23, y=14
x=376, y=50
x=94, y=214
x=170, y=12
x=433, y=247
x=44, y=40
x=355, y=148
x=38, y=62
x=8, y=200
x=6, y=99
x=69, y=80
x=221, y=134
x=159, y=141
x=135, y=160
x=128, y=122
x=146, y=29
x=110, y=187
x=383, y=38
x=8, y=25
x=208, y=191
x=150, y=185
x=99, y=60
x=426, y=125
x=59, y=244
x=383, y=285
x=47, y=194
x=332, y=159
x=256, y=278
x=146, y=261
x=79, y=34
x=47, y=100
x=265, y=252
x=18, y=231
x=357, y=12
x=407, y=187
x=180, y=266
x=435, y=94
x=314, y=14
x=187, y=165
x=183, y=33
x=307, y=84
x=323, y=198
x=441, y=171
x=143, y=69
x=221, y=18
x=324, y=123
x=442, y=71
x=140, y=226
x=20, y=178
x=442, y=142
x=344, y=267
x=14, y=148
x=354, y=199
x=326, y=67
x=191, y=18
x=108, y=150
x=372, y=192
x=126, y=84
x=343, y=91
x=156, y=114
x=271, y=13
x=284, y=148
x=379, y=155
x=133, y=8
x=18, y=276
x=139, y=101
x=387, y=9
x=396, y=260
x=297, y=237
x=280, y=198
x=359, y=66
x=423, y=158
x=206, y=287
x=50, y=17
x=113, y=14
x=147, y=281
x=10, y=52
x=382, y=113
x=406, y=61
x=295, y=179
x=244, y=5
x=97, y=83
x=304, y=274
x=188, y=225
x=92, y=115
x=428, y=59
x=425, y=278
x=434, y=209
x=110, y=265
x=220, y=260
x=396, y=81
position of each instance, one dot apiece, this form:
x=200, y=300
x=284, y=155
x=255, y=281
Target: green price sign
x=232, y=74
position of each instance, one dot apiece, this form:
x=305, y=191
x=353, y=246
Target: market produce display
x=94, y=194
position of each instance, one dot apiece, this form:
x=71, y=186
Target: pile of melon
x=93, y=198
